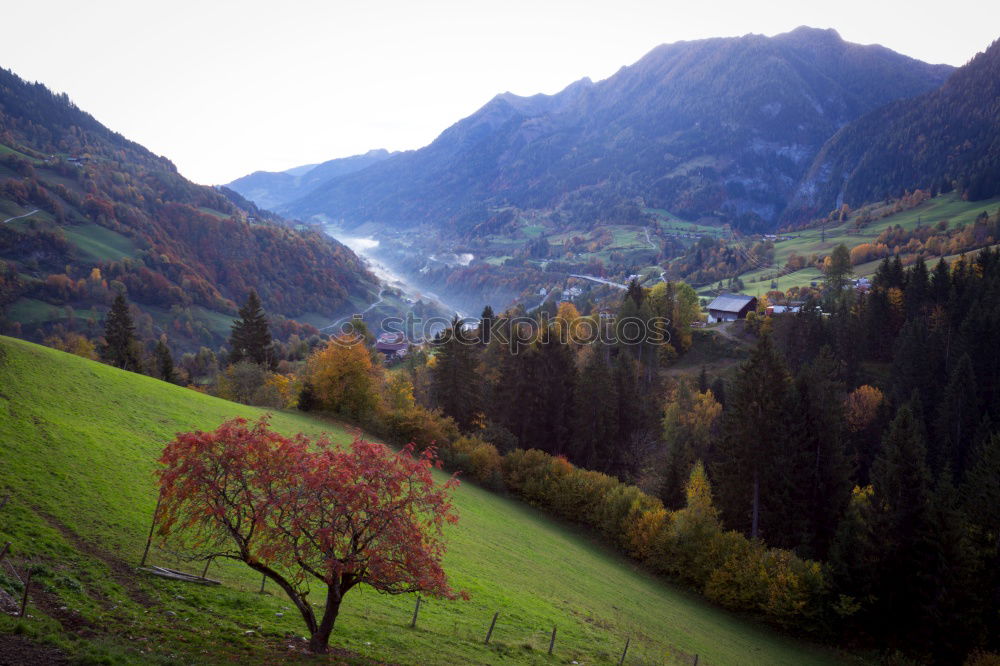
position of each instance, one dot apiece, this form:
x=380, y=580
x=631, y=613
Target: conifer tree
x=596, y=411
x=251, y=335
x=820, y=484
x=454, y=380
x=957, y=421
x=164, y=362
x=752, y=464
x=902, y=521
x=120, y=348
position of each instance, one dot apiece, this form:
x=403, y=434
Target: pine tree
x=164, y=362
x=980, y=495
x=903, y=523
x=251, y=335
x=486, y=320
x=121, y=347
x=596, y=412
x=750, y=469
x=556, y=375
x=821, y=485
x=957, y=420
x=455, y=383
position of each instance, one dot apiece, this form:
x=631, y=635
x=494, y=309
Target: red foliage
x=296, y=510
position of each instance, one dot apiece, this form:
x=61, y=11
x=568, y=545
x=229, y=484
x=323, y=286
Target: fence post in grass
x=3, y=551
x=263, y=579
x=625, y=651
x=152, y=526
x=695, y=660
x=413, y=622
x=204, y=571
x=552, y=641
x=492, y=624
x=24, y=597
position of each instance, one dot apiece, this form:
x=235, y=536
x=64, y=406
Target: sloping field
x=78, y=442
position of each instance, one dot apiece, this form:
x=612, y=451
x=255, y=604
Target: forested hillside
x=86, y=212
x=943, y=140
x=719, y=127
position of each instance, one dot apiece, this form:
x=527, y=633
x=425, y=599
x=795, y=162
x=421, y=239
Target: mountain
x=271, y=189
x=943, y=139
x=719, y=128
x=84, y=212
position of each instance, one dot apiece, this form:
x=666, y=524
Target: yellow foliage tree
x=861, y=406
x=344, y=378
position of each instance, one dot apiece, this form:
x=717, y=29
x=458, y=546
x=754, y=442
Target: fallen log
x=173, y=574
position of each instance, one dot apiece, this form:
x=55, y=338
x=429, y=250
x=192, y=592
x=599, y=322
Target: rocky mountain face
x=719, y=128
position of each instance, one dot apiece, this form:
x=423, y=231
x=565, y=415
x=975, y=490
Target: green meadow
x=78, y=448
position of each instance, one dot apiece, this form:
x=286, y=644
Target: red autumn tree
x=299, y=511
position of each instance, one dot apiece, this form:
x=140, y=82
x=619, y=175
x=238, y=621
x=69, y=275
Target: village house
x=730, y=307
x=392, y=345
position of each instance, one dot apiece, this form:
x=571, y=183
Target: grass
x=31, y=311
x=98, y=243
x=79, y=442
x=948, y=207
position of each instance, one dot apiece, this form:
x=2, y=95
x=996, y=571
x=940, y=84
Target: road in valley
x=18, y=217
x=600, y=280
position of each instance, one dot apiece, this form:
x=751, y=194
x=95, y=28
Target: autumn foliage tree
x=343, y=377
x=302, y=512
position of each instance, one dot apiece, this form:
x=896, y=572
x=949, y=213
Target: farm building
x=730, y=307
x=392, y=345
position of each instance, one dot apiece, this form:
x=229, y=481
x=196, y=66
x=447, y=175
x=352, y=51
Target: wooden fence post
x=204, y=571
x=149, y=539
x=3, y=551
x=625, y=651
x=552, y=641
x=492, y=624
x=263, y=580
x=413, y=622
x=24, y=597
x=695, y=660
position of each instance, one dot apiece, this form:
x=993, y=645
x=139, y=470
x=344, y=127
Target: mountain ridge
x=721, y=127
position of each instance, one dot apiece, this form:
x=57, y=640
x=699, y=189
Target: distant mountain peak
x=721, y=127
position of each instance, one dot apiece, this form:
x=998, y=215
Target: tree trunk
x=756, y=505
x=320, y=639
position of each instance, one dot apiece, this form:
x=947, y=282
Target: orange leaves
x=861, y=407
x=363, y=514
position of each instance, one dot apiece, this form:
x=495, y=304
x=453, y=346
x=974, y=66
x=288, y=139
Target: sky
x=224, y=88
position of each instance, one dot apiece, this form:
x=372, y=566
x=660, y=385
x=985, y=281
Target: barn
x=730, y=307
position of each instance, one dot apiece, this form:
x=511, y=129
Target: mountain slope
x=271, y=189
x=943, y=139
x=80, y=441
x=83, y=208
x=717, y=127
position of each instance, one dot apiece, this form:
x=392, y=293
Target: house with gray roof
x=730, y=307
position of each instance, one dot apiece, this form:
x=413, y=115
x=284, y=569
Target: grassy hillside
x=77, y=447
x=806, y=242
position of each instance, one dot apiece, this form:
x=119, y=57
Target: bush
x=477, y=458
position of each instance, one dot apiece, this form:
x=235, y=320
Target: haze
x=225, y=88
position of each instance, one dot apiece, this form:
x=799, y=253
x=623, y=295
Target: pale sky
x=224, y=88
